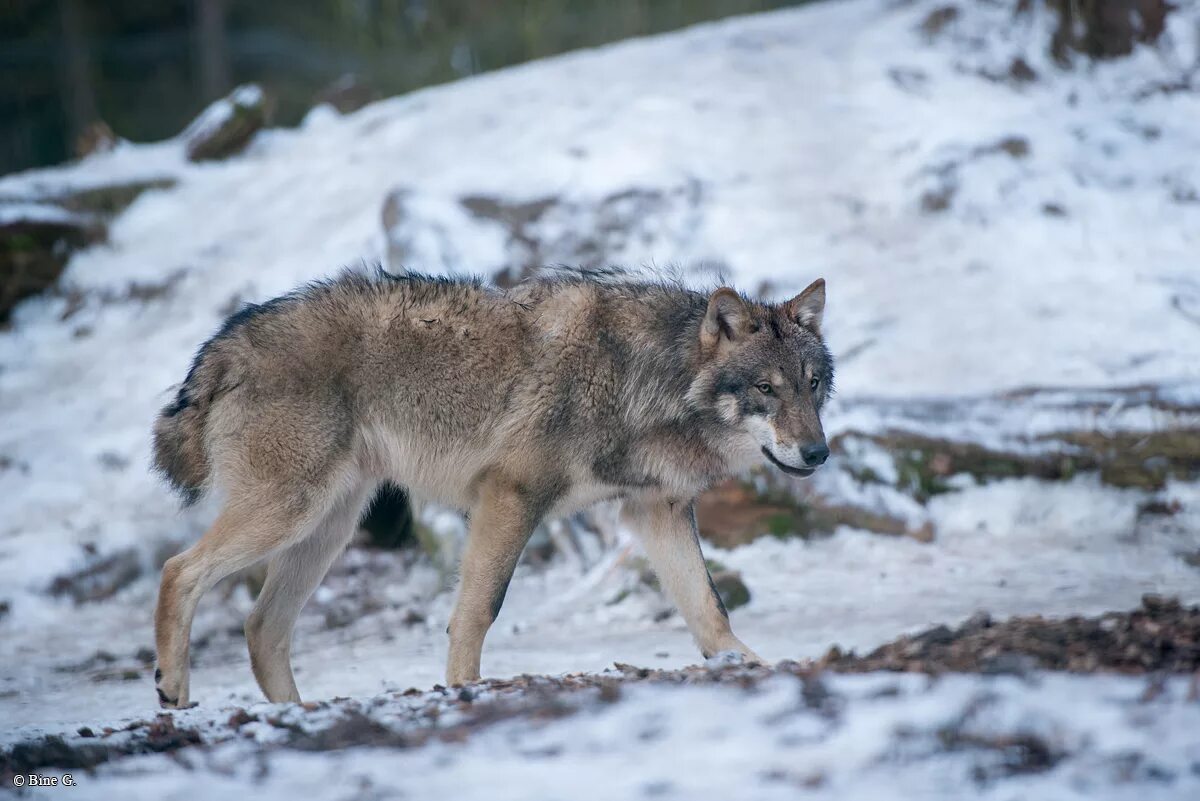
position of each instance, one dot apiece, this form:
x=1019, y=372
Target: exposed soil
x=734, y=513
x=34, y=251
x=1162, y=636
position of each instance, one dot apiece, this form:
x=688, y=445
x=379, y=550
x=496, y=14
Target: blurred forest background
x=146, y=67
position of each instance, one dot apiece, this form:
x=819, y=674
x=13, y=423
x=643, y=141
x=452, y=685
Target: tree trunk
x=211, y=49
x=79, y=101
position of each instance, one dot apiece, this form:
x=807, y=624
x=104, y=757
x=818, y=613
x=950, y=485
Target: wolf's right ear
x=808, y=307
x=728, y=318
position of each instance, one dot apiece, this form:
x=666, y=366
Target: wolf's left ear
x=727, y=318
x=807, y=307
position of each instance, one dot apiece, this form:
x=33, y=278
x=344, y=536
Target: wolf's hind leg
x=244, y=532
x=667, y=530
x=501, y=523
x=292, y=576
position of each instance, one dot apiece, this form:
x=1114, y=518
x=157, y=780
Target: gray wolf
x=513, y=405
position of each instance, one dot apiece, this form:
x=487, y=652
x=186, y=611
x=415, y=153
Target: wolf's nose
x=815, y=454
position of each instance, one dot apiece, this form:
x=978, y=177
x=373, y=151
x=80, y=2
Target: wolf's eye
x=765, y=388
x=816, y=382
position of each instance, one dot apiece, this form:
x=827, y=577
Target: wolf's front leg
x=501, y=523
x=667, y=530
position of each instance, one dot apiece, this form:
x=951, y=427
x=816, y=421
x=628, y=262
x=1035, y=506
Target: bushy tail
x=180, y=452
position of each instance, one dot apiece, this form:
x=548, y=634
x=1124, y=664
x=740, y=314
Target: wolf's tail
x=180, y=450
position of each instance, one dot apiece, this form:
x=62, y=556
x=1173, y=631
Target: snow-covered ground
x=979, y=237
x=875, y=737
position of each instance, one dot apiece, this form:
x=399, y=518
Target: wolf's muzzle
x=787, y=468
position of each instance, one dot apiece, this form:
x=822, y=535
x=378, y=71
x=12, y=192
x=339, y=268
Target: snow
x=11, y=213
x=878, y=737
x=773, y=149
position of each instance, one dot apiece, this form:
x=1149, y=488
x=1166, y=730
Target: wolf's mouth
x=795, y=471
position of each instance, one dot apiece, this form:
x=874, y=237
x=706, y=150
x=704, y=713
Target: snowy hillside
x=1011, y=257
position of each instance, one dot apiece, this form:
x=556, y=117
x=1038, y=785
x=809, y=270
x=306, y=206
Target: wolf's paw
x=168, y=699
x=735, y=657
x=727, y=658
x=164, y=701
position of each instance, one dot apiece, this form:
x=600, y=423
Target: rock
x=228, y=125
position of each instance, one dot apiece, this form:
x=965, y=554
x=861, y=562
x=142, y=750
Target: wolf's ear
x=728, y=318
x=807, y=307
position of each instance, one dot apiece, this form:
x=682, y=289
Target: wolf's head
x=766, y=373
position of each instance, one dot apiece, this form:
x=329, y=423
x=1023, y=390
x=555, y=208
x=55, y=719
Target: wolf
x=513, y=405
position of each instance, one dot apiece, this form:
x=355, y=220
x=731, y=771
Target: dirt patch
x=734, y=513
x=554, y=230
x=1132, y=459
x=544, y=231
x=134, y=292
x=111, y=199
x=1000, y=756
x=1102, y=29
x=161, y=735
x=101, y=579
x=945, y=178
x=1143, y=460
x=935, y=21
x=34, y=249
x=1160, y=636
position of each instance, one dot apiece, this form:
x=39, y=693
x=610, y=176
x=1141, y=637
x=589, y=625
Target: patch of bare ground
x=1161, y=636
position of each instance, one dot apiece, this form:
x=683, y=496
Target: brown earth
x=1162, y=636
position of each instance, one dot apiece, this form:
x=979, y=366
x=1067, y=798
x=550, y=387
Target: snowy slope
x=811, y=158
x=775, y=148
